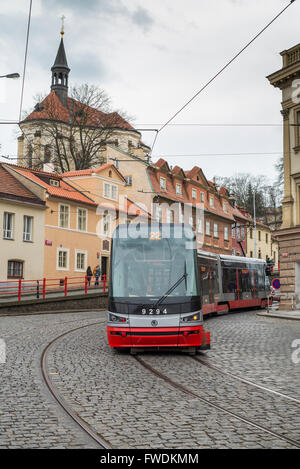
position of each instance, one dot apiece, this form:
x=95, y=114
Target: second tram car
x=161, y=287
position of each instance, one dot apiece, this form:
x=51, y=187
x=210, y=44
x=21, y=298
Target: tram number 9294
x=152, y=311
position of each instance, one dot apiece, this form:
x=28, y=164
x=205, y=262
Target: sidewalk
x=281, y=314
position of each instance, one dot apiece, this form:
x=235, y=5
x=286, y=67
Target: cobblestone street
x=130, y=407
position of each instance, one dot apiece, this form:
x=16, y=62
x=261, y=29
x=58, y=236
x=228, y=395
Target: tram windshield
x=150, y=267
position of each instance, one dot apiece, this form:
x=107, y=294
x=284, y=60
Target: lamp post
x=10, y=75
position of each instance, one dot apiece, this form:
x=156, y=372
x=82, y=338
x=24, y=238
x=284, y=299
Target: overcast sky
x=151, y=56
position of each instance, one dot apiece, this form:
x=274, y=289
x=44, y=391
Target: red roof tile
x=11, y=188
x=65, y=190
x=88, y=172
x=52, y=109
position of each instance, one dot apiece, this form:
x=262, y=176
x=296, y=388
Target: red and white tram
x=160, y=287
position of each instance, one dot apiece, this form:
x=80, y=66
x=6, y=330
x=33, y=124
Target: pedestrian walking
x=97, y=273
x=89, y=275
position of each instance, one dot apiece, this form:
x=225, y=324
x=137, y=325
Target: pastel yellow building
x=22, y=219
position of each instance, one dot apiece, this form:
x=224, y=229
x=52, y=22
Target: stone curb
x=295, y=317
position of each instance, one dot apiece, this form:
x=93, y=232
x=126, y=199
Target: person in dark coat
x=89, y=275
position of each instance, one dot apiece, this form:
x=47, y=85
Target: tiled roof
x=11, y=188
x=52, y=109
x=185, y=197
x=89, y=172
x=65, y=190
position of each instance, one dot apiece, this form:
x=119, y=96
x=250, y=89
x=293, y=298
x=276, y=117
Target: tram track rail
x=84, y=426
x=208, y=402
x=245, y=381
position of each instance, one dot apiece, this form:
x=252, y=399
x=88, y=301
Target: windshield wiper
x=161, y=299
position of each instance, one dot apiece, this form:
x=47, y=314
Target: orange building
x=188, y=196
x=82, y=209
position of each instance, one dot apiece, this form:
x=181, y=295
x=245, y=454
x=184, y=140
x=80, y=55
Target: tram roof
x=225, y=257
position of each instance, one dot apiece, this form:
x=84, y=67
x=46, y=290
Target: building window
x=191, y=221
x=15, y=269
x=158, y=213
x=110, y=191
x=216, y=230
x=81, y=219
x=27, y=228
x=259, y=236
x=233, y=232
x=267, y=238
x=225, y=207
x=259, y=254
x=170, y=216
x=207, y=228
x=63, y=259
x=211, y=202
x=251, y=233
x=105, y=245
x=242, y=232
x=200, y=226
x=194, y=194
x=128, y=180
x=8, y=225
x=251, y=253
x=106, y=224
x=117, y=164
x=226, y=233
x=163, y=184
x=80, y=261
x=202, y=197
x=64, y=216
x=180, y=214
x=178, y=189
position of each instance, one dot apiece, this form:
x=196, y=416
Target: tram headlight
x=114, y=318
x=192, y=318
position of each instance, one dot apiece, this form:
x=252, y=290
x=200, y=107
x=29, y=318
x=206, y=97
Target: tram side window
x=214, y=280
x=204, y=279
x=245, y=283
x=229, y=280
x=261, y=278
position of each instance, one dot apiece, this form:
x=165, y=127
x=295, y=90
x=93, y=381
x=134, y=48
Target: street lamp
x=10, y=75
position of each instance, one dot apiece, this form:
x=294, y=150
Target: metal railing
x=47, y=287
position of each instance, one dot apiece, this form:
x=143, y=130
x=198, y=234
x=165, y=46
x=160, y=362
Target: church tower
x=60, y=72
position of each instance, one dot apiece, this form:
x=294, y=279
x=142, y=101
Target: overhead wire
x=25, y=59
x=219, y=73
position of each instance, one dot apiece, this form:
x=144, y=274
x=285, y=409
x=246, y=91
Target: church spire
x=60, y=71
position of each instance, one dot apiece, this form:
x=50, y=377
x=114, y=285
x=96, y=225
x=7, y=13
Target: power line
x=219, y=72
x=25, y=58
x=183, y=155
x=221, y=125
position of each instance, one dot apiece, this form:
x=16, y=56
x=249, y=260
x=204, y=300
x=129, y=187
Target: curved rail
x=100, y=440
x=245, y=381
x=183, y=389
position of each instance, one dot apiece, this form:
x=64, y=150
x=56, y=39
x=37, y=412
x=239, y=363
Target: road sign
x=276, y=283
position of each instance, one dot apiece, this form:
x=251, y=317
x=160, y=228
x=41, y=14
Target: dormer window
x=128, y=180
x=225, y=207
x=178, y=189
x=54, y=182
x=211, y=202
x=163, y=184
